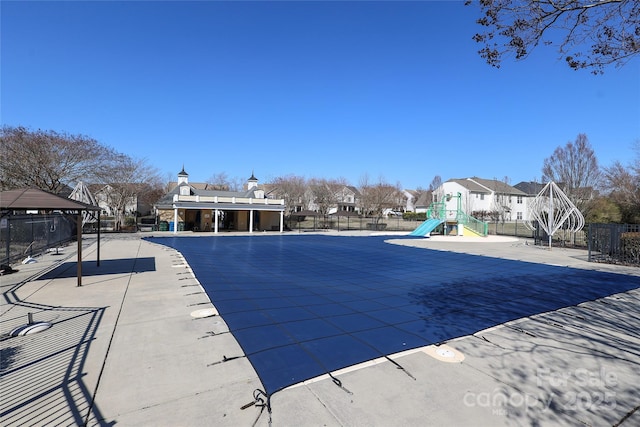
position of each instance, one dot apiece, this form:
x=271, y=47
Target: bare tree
x=636, y=164
x=378, y=197
x=574, y=168
x=48, y=160
x=623, y=185
x=222, y=181
x=324, y=193
x=500, y=204
x=128, y=182
x=436, y=190
x=152, y=190
x=219, y=181
x=591, y=34
x=436, y=183
x=291, y=188
x=236, y=183
x=169, y=182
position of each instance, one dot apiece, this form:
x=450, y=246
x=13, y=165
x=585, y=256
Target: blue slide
x=426, y=227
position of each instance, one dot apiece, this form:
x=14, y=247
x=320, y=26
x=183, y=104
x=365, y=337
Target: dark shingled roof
x=32, y=198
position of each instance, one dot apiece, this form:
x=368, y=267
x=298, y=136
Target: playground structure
x=82, y=194
x=455, y=221
x=553, y=210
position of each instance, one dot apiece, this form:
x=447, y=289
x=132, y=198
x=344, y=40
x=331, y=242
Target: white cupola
x=183, y=177
x=252, y=182
x=183, y=183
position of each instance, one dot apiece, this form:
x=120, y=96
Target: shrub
x=414, y=216
x=630, y=246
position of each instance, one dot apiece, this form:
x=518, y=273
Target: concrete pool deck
x=124, y=349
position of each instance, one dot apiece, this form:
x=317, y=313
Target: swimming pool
x=305, y=305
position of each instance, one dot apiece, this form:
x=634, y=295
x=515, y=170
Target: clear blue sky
x=318, y=89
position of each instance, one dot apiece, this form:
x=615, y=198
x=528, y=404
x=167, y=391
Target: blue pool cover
x=306, y=305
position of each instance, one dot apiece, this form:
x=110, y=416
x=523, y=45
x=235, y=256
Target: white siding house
x=109, y=200
x=484, y=198
x=343, y=199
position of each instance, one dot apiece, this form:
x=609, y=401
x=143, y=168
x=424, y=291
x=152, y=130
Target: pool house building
x=202, y=207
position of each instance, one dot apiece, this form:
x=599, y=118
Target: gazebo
x=36, y=199
x=348, y=214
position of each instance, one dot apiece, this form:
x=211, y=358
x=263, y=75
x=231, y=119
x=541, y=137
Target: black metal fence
x=510, y=228
x=392, y=223
x=350, y=223
x=561, y=238
x=614, y=243
x=29, y=235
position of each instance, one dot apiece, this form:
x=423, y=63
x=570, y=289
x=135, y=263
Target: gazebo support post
x=79, y=238
x=98, y=254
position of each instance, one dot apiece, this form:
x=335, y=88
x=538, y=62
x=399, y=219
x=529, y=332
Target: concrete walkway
x=124, y=349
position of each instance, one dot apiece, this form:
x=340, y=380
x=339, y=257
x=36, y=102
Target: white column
x=251, y=221
x=281, y=221
x=175, y=220
x=215, y=226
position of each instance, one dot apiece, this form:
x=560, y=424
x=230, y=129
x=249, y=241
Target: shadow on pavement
x=111, y=266
x=42, y=375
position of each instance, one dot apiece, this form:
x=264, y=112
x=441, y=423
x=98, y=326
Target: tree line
x=602, y=194
x=372, y=197
x=54, y=161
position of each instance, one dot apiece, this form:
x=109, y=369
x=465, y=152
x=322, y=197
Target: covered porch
x=199, y=214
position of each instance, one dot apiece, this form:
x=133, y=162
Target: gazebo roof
x=33, y=198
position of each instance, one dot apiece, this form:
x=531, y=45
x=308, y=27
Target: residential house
x=417, y=201
x=398, y=205
x=579, y=196
x=108, y=199
x=424, y=201
x=341, y=199
x=410, y=196
x=530, y=188
x=347, y=199
x=485, y=199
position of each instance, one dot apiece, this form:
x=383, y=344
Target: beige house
x=195, y=207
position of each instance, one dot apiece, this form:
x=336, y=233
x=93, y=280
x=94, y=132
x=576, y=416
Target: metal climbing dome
x=553, y=210
x=82, y=194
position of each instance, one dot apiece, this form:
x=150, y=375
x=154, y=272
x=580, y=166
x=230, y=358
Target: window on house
x=518, y=215
x=482, y=196
x=519, y=199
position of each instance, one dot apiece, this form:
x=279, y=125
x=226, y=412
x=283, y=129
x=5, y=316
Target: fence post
x=8, y=245
x=8, y=240
x=589, y=244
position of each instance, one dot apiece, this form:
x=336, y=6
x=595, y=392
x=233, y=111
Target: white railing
x=232, y=200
